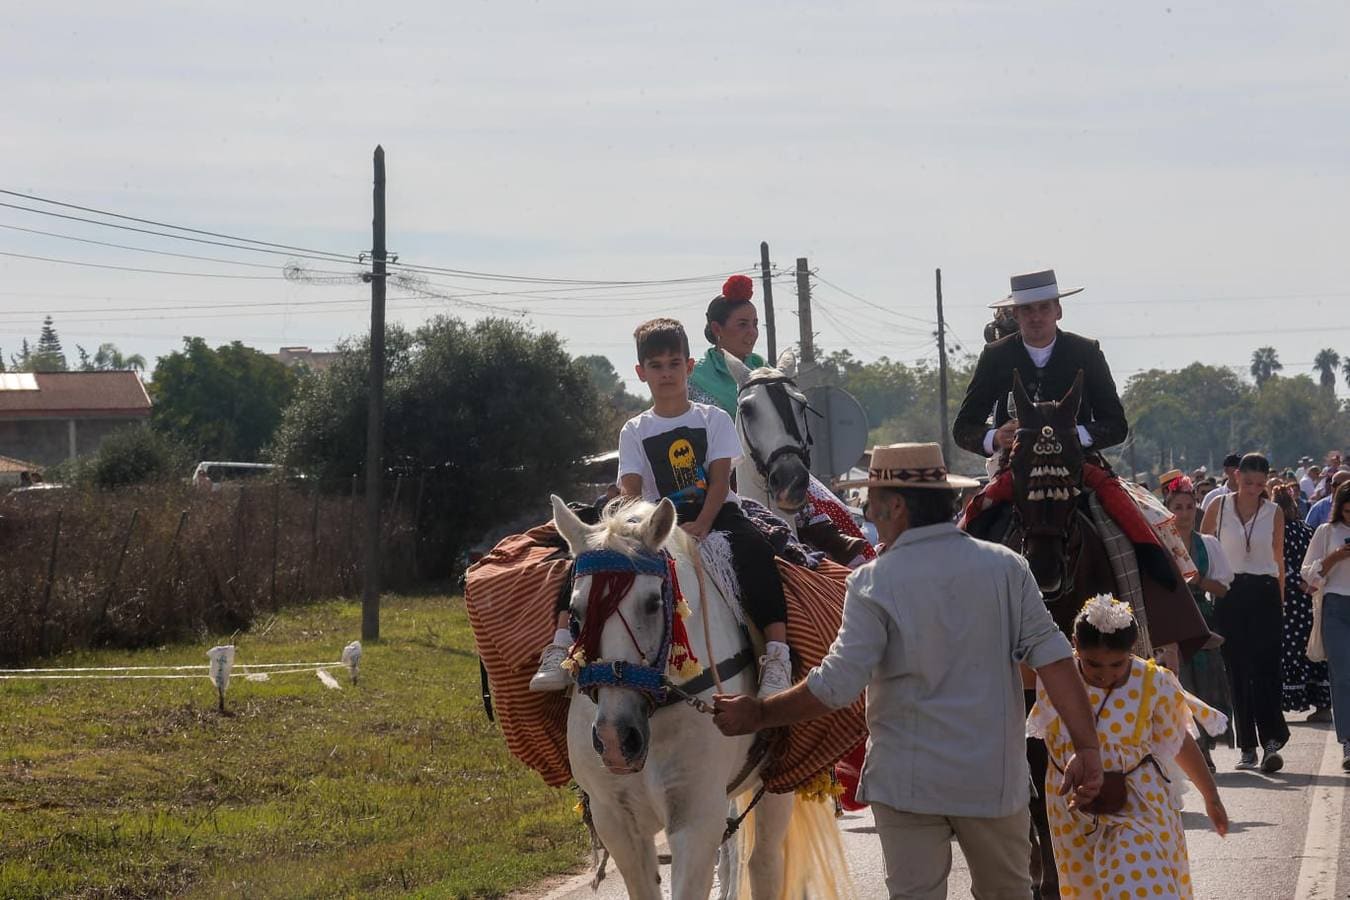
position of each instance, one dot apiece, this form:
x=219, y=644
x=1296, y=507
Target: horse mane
x=620, y=527
x=765, y=372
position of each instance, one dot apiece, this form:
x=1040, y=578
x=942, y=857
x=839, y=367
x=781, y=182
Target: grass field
x=395, y=787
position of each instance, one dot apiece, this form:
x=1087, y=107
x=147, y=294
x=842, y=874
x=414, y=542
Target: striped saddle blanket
x=510, y=595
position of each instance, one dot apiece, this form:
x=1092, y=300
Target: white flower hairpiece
x=1107, y=614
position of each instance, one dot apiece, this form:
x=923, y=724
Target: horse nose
x=632, y=745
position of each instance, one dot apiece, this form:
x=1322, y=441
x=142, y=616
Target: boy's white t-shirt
x=672, y=454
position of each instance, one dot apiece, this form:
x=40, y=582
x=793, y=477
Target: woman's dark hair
x=1284, y=498
x=1341, y=498
x=735, y=293
x=926, y=506
x=1254, y=462
x=1085, y=634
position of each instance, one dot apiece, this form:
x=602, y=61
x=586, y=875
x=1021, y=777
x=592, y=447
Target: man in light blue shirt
x=1321, y=510
x=937, y=629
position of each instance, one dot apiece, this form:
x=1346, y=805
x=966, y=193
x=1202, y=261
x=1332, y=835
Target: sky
x=1188, y=164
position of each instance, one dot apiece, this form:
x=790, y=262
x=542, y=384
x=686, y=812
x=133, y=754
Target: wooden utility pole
x=370, y=594
x=767, y=279
x=943, y=429
x=804, y=311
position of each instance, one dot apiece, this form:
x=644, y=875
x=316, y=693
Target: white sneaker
x=775, y=669
x=551, y=676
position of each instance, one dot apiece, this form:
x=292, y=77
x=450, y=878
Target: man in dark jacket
x=1048, y=360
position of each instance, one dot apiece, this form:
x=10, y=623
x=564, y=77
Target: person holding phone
x=1326, y=567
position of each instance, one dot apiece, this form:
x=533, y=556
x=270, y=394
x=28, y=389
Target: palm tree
x=1326, y=363
x=109, y=357
x=1265, y=363
x=1345, y=368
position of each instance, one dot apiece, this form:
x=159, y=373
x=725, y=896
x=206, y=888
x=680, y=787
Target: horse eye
x=747, y=409
x=653, y=605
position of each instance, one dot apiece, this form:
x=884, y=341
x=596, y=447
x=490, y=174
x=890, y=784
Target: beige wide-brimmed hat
x=1033, y=287
x=910, y=466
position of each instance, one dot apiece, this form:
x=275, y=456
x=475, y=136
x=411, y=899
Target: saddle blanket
x=510, y=595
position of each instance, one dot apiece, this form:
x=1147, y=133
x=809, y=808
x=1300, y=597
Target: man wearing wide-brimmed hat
x=935, y=629
x=1048, y=359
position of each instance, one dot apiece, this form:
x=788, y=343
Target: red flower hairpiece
x=738, y=287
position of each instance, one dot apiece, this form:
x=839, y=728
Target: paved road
x=1288, y=839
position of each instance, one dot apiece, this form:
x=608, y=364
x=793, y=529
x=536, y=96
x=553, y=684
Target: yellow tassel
x=575, y=662
x=690, y=669
x=820, y=788
x=682, y=608
x=580, y=810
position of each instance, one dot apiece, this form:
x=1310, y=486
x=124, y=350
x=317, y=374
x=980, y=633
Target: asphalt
x=1275, y=820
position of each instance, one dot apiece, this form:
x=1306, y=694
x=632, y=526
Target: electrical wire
x=90, y=265
x=867, y=302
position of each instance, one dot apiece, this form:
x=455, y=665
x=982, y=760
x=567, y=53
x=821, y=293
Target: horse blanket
x=510, y=595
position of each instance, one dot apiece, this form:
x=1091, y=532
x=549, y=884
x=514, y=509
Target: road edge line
x=1317, y=871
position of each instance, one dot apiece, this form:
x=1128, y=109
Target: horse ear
x=1074, y=398
x=1025, y=406
x=737, y=368
x=573, y=530
x=658, y=526
x=787, y=363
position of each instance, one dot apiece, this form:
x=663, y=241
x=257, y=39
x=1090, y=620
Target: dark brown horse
x=1050, y=523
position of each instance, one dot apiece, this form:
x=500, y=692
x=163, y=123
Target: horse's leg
x=772, y=816
x=633, y=852
x=694, y=833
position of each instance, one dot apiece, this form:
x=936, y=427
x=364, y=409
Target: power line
x=101, y=212
x=73, y=262
x=876, y=306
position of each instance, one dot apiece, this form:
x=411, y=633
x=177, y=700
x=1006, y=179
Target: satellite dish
x=840, y=433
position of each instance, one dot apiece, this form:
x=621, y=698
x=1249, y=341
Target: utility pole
x=942, y=374
x=767, y=279
x=370, y=595
x=804, y=312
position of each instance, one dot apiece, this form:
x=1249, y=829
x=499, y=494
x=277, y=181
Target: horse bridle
x=1047, y=444
x=648, y=679
x=777, y=386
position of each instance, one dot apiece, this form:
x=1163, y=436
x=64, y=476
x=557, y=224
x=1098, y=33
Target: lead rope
x=703, y=614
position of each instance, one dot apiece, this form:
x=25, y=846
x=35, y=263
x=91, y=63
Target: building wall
x=47, y=441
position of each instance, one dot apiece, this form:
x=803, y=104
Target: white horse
x=648, y=767
x=771, y=419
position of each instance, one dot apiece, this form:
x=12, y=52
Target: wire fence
x=150, y=564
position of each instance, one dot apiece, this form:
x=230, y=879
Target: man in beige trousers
x=936, y=629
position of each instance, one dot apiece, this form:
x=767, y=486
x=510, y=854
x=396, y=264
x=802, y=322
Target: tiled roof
x=10, y=464
x=65, y=393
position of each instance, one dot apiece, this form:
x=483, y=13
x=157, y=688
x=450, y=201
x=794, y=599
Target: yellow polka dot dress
x=1139, y=852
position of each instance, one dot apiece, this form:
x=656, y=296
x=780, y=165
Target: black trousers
x=754, y=559
x=1251, y=622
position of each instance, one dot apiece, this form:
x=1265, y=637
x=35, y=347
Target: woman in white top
x=1251, y=530
x=1326, y=567
x=1203, y=674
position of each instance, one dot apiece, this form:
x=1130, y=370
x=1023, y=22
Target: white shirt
x=1250, y=546
x=1325, y=539
x=1222, y=490
x=1039, y=357
x=1220, y=569
x=1307, y=485
x=672, y=454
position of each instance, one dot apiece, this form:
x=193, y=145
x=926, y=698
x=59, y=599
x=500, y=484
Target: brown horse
x=1050, y=523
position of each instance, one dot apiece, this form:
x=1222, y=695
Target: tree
x=224, y=403
x=23, y=360
x=49, y=356
x=1197, y=414
x=1326, y=363
x=1265, y=363
x=490, y=417
x=109, y=358
x=1345, y=368
x=1291, y=418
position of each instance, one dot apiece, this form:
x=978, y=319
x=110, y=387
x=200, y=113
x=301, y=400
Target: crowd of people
x=951, y=637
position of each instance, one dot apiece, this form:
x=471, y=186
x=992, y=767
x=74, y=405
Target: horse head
x=1047, y=470
x=774, y=431
x=621, y=598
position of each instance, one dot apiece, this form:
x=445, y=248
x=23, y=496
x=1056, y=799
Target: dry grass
x=145, y=565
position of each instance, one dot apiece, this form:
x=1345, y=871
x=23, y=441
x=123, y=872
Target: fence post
x=238, y=532
x=47, y=589
x=276, y=528
x=173, y=557
x=313, y=542
x=117, y=569
x=417, y=524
